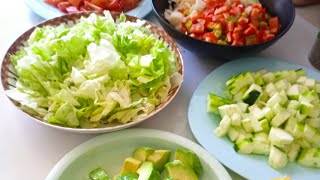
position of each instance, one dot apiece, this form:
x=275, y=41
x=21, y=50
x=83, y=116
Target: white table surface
x=28, y=150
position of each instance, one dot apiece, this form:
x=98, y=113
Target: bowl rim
x=218, y=169
x=278, y=36
x=69, y=17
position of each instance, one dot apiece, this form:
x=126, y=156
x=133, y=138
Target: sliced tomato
x=274, y=25
x=230, y=26
x=196, y=17
x=128, y=4
x=236, y=36
x=235, y=11
x=237, y=43
x=218, y=18
x=222, y=9
x=238, y=29
x=249, y=31
x=89, y=6
x=197, y=28
x=63, y=6
x=209, y=10
x=55, y=2
x=196, y=36
x=229, y=36
x=243, y=21
x=269, y=36
x=72, y=9
x=75, y=3
x=210, y=37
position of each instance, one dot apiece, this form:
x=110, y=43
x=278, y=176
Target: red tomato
x=63, y=6
x=196, y=36
x=210, y=37
x=235, y=11
x=75, y=3
x=54, y=2
x=243, y=21
x=274, y=25
x=230, y=26
x=249, y=31
x=237, y=43
x=90, y=6
x=269, y=36
x=197, y=28
x=222, y=9
x=114, y=5
x=128, y=4
x=196, y=17
x=229, y=37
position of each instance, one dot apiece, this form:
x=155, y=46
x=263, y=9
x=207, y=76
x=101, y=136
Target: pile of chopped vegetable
x=74, y=6
x=226, y=22
x=272, y=113
x=93, y=72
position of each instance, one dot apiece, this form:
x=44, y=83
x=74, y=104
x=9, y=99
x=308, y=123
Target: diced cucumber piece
x=243, y=106
x=271, y=89
x=240, y=81
x=268, y=113
x=305, y=108
x=229, y=110
x=261, y=148
x=298, y=130
x=314, y=122
x=252, y=94
x=233, y=134
x=309, y=96
x=300, y=117
x=244, y=146
x=277, y=98
x=293, y=152
x=316, y=139
x=238, y=96
x=236, y=119
x=300, y=72
x=278, y=108
x=293, y=92
x=277, y=158
x=301, y=80
x=258, y=79
x=243, y=134
x=309, y=157
x=290, y=125
x=265, y=125
x=256, y=125
x=304, y=143
x=223, y=127
x=309, y=132
x=280, y=137
x=214, y=101
x=256, y=112
x=315, y=111
x=317, y=87
x=280, y=118
x=268, y=77
x=293, y=106
x=310, y=83
x=282, y=85
x=247, y=125
x=261, y=137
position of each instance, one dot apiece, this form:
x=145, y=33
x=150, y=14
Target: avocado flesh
x=159, y=158
x=142, y=153
x=190, y=159
x=130, y=165
x=145, y=170
x=178, y=171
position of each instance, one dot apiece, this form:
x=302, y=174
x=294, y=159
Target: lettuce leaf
x=93, y=72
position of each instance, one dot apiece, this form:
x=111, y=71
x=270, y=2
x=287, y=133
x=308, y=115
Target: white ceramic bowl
x=109, y=151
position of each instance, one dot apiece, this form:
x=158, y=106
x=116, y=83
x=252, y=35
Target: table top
x=30, y=150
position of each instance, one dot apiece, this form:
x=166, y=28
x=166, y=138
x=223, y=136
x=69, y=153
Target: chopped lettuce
x=93, y=72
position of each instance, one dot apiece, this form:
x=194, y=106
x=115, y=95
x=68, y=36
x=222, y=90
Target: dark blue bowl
x=284, y=9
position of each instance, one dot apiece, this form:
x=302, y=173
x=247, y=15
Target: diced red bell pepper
x=197, y=28
x=249, y=31
x=222, y=9
x=230, y=26
x=243, y=21
x=269, y=36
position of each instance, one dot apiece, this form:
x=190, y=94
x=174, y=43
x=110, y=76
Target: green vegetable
x=98, y=174
x=94, y=72
x=128, y=176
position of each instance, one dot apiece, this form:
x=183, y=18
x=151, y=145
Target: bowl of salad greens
x=92, y=72
x=134, y=154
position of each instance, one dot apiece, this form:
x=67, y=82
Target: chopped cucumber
x=272, y=113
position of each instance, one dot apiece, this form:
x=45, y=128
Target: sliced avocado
x=155, y=175
x=142, y=153
x=159, y=158
x=130, y=165
x=127, y=176
x=179, y=171
x=190, y=159
x=145, y=170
